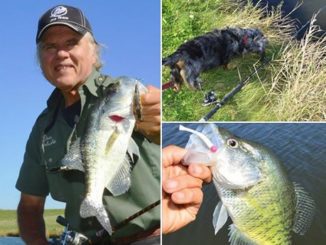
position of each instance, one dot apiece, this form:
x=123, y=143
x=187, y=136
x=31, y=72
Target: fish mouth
x=205, y=144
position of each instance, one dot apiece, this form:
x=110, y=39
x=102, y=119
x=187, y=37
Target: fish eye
x=232, y=143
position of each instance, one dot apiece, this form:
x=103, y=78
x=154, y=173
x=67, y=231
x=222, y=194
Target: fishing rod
x=132, y=217
x=235, y=90
x=71, y=237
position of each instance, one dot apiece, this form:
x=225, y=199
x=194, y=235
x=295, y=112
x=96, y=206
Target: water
x=301, y=147
x=11, y=241
x=304, y=13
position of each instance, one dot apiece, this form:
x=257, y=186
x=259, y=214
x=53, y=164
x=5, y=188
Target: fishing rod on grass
x=229, y=95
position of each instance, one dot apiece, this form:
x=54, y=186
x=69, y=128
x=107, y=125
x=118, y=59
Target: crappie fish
x=101, y=152
x=254, y=190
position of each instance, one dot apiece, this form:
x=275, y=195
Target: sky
x=130, y=32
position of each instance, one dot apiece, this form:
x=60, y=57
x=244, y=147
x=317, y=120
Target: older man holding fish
x=95, y=146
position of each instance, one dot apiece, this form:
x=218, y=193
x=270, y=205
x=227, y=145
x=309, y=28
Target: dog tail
x=171, y=59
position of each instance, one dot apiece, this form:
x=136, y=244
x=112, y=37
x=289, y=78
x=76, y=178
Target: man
x=69, y=59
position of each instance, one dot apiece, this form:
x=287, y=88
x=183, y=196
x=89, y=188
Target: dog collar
x=167, y=85
x=245, y=39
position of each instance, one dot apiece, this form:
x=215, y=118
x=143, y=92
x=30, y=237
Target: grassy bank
x=291, y=88
x=8, y=222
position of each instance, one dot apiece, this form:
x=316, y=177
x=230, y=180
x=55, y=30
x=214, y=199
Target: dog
x=213, y=49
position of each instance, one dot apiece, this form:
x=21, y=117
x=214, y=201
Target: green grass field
x=291, y=88
x=8, y=222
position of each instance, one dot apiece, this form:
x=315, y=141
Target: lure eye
x=232, y=143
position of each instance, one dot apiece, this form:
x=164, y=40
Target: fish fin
x=89, y=208
x=236, y=237
x=305, y=210
x=121, y=181
x=220, y=216
x=133, y=150
x=72, y=160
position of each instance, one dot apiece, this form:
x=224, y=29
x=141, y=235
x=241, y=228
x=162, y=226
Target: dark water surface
x=11, y=241
x=303, y=14
x=301, y=147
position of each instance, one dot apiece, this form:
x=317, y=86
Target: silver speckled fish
x=101, y=152
x=253, y=187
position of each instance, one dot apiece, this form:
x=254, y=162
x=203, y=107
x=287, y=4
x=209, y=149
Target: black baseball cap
x=63, y=15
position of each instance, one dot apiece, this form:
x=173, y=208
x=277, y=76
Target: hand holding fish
x=253, y=187
x=149, y=125
x=182, y=194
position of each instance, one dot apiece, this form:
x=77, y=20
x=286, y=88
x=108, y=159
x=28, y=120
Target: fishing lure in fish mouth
x=201, y=151
x=201, y=136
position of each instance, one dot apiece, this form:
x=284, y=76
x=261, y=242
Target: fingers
x=187, y=196
x=151, y=106
x=151, y=130
x=180, y=183
x=200, y=171
x=181, y=188
x=149, y=110
x=150, y=119
x=172, y=155
x=150, y=124
x=152, y=97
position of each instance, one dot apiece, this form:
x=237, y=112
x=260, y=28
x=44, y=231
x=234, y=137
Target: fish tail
x=89, y=208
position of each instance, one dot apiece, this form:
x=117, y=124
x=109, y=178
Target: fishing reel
x=73, y=238
x=210, y=98
x=69, y=237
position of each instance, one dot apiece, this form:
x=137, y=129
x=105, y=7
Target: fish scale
x=257, y=201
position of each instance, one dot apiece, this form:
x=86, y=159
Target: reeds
x=298, y=81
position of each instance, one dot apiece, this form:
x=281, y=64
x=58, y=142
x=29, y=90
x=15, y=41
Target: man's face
x=67, y=58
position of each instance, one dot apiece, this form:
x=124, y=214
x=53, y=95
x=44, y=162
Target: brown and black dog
x=213, y=49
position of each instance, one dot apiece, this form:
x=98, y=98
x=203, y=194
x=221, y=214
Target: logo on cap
x=58, y=12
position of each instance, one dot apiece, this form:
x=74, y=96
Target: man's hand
x=150, y=125
x=182, y=194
